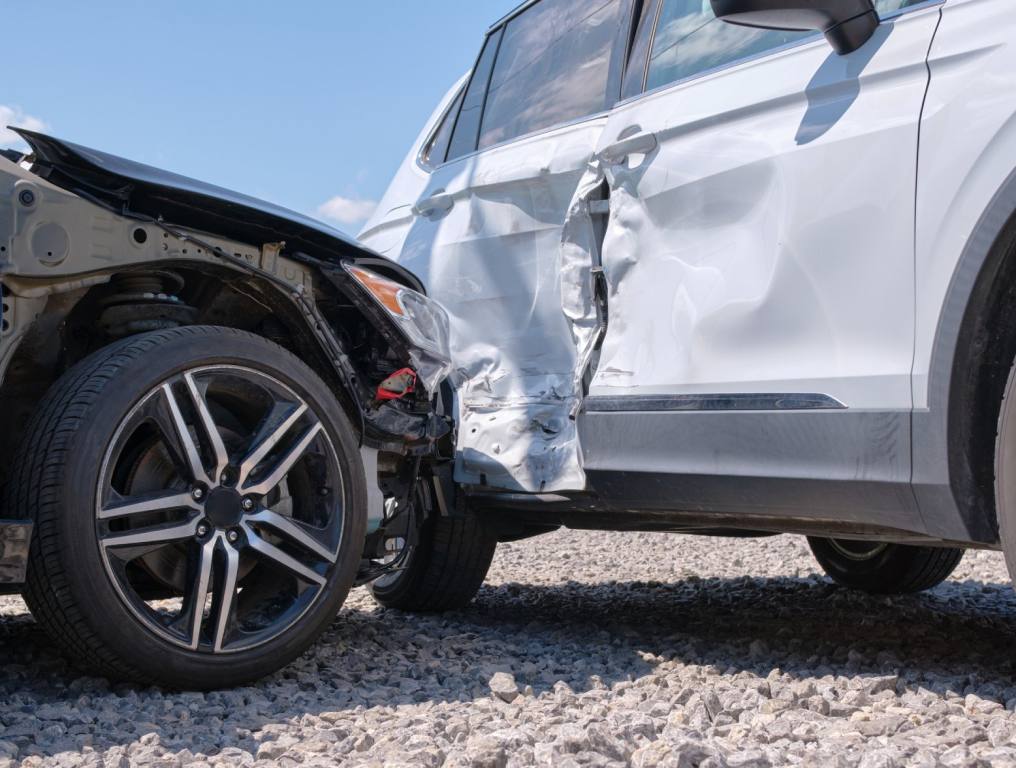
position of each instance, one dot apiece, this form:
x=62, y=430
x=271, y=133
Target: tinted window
x=437, y=149
x=467, y=127
x=635, y=74
x=553, y=67
x=691, y=40
x=885, y=7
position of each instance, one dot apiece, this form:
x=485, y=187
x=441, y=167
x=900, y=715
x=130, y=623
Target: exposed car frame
x=75, y=222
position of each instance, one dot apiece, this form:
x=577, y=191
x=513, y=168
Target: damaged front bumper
x=15, y=537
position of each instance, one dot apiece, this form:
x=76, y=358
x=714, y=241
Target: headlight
x=423, y=322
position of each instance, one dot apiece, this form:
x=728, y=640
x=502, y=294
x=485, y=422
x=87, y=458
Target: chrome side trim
x=731, y=402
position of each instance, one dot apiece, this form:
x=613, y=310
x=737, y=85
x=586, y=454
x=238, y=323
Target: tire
x=1005, y=474
x=883, y=568
x=444, y=571
x=96, y=556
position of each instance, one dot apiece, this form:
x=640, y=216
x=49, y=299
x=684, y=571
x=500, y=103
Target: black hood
x=128, y=187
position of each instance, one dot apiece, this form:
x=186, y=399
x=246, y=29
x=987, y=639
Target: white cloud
x=347, y=210
x=14, y=116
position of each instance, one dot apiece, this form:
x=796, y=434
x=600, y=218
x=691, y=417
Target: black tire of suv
x=889, y=569
x=445, y=569
x=68, y=589
x=1005, y=474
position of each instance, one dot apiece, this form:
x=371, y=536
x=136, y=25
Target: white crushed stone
x=584, y=649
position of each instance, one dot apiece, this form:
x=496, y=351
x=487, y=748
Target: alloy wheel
x=858, y=551
x=219, y=509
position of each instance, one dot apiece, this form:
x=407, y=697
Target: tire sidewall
x=408, y=579
x=91, y=586
x=873, y=573
x=1005, y=475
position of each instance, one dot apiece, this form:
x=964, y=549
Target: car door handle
x=435, y=204
x=639, y=144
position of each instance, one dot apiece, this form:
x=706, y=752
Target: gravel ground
x=584, y=649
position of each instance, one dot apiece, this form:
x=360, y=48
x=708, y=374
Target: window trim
x=517, y=11
x=615, y=69
x=810, y=40
x=486, y=89
x=525, y=137
x=452, y=104
x=615, y=76
x=632, y=33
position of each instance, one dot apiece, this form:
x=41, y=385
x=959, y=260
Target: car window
x=553, y=67
x=635, y=72
x=437, y=149
x=467, y=125
x=891, y=6
x=690, y=40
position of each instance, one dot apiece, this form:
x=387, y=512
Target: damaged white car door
x=760, y=247
x=758, y=254
x=487, y=236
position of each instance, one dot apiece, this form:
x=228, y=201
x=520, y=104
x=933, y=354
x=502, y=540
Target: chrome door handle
x=639, y=144
x=439, y=203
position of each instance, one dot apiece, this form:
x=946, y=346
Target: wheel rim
x=858, y=551
x=219, y=512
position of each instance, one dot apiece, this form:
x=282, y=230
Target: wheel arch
x=974, y=349
x=65, y=332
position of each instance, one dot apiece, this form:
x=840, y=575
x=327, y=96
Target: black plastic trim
x=729, y=402
x=847, y=24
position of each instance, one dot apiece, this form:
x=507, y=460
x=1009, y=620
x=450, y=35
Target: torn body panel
x=509, y=255
x=724, y=271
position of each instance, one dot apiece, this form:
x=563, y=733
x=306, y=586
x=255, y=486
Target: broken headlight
x=422, y=321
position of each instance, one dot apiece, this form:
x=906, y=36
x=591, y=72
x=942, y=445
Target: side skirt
x=826, y=463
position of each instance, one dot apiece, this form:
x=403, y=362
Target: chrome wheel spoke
x=163, y=502
x=273, y=554
x=263, y=448
x=225, y=595
x=284, y=464
x=211, y=430
x=190, y=448
x=294, y=532
x=198, y=596
x=151, y=536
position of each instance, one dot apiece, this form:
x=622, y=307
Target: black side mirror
x=847, y=24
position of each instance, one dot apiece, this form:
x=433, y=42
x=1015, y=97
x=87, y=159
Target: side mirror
x=847, y=24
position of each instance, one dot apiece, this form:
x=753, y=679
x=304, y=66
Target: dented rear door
x=761, y=234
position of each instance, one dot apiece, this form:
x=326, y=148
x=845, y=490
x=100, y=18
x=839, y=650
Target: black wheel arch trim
x=943, y=483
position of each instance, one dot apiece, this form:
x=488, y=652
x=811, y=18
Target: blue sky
x=295, y=102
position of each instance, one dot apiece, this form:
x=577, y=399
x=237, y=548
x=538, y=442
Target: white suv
x=711, y=271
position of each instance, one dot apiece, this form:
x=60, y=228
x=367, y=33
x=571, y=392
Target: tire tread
x=903, y=569
x=458, y=558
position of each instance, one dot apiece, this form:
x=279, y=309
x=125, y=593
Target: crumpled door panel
x=511, y=262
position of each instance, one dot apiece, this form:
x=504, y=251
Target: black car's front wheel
x=199, y=506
